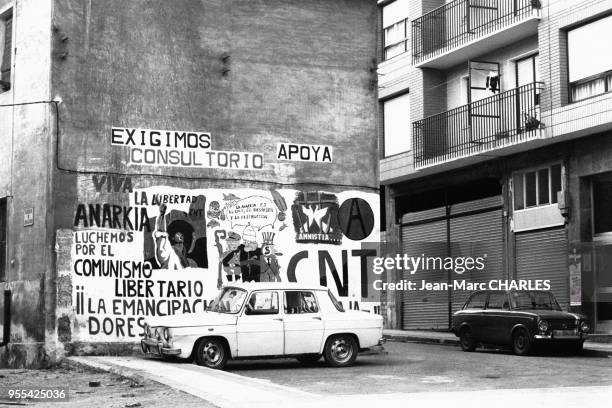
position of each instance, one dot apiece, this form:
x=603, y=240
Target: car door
x=259, y=329
x=497, y=318
x=473, y=314
x=303, y=322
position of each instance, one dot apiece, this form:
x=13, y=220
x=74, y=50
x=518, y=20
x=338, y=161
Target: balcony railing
x=494, y=122
x=461, y=21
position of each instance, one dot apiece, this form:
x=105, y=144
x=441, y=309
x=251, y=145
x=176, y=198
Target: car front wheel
x=211, y=353
x=467, y=340
x=340, y=350
x=521, y=342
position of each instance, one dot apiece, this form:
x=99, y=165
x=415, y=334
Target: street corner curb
x=599, y=350
x=100, y=367
x=419, y=339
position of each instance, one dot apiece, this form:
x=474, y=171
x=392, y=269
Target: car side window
x=477, y=301
x=300, y=302
x=498, y=301
x=262, y=303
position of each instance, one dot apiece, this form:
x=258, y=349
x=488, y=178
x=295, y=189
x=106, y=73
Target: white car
x=267, y=320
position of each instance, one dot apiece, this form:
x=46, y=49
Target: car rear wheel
x=211, y=353
x=467, y=340
x=308, y=358
x=340, y=350
x=521, y=342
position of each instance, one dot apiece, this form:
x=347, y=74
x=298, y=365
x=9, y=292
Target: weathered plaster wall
x=251, y=73
x=25, y=178
x=298, y=71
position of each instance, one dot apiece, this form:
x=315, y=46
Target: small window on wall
x=395, y=28
x=6, y=41
x=537, y=187
x=397, y=129
x=590, y=59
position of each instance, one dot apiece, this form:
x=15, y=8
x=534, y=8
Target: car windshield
x=229, y=300
x=533, y=300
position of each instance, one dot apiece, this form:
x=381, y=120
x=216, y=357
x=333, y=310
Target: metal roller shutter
x=474, y=236
x=543, y=255
x=425, y=309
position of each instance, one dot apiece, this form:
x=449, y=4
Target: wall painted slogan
x=136, y=253
x=304, y=152
x=148, y=147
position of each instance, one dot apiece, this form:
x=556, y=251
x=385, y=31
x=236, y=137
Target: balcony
x=463, y=29
x=497, y=122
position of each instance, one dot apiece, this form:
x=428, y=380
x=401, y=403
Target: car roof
x=508, y=291
x=275, y=286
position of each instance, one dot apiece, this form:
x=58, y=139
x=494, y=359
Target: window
x=229, y=301
x=300, y=302
x=590, y=59
x=6, y=40
x=397, y=132
x=262, y=303
x=3, y=228
x=395, y=28
x=536, y=187
x=534, y=300
x=527, y=70
x=497, y=301
x=602, y=198
x=477, y=301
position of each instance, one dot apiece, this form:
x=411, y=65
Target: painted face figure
x=179, y=238
x=250, y=246
x=232, y=245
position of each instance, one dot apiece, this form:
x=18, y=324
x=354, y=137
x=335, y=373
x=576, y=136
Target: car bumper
x=151, y=346
x=377, y=349
x=553, y=337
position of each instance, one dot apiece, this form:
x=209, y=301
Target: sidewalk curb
x=419, y=339
x=589, y=346
x=126, y=373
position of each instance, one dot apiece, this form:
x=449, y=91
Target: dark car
x=517, y=318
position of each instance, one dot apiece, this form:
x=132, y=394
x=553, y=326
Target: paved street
x=411, y=374
x=413, y=367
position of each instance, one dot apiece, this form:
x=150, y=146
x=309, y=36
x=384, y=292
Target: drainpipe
x=6, y=336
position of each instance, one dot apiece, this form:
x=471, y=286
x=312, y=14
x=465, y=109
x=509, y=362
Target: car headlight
x=166, y=334
x=543, y=326
x=585, y=327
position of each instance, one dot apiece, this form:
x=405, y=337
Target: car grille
x=562, y=324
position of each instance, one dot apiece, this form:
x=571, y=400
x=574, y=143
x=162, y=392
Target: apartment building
x=154, y=151
x=495, y=127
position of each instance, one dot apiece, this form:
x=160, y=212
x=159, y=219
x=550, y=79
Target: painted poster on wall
x=169, y=251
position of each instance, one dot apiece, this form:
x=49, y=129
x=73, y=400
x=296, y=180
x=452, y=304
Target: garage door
x=425, y=309
x=478, y=235
x=542, y=254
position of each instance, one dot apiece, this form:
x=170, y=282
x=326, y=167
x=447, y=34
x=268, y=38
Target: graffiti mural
x=315, y=218
x=165, y=251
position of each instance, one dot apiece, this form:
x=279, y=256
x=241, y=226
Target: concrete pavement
x=258, y=384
